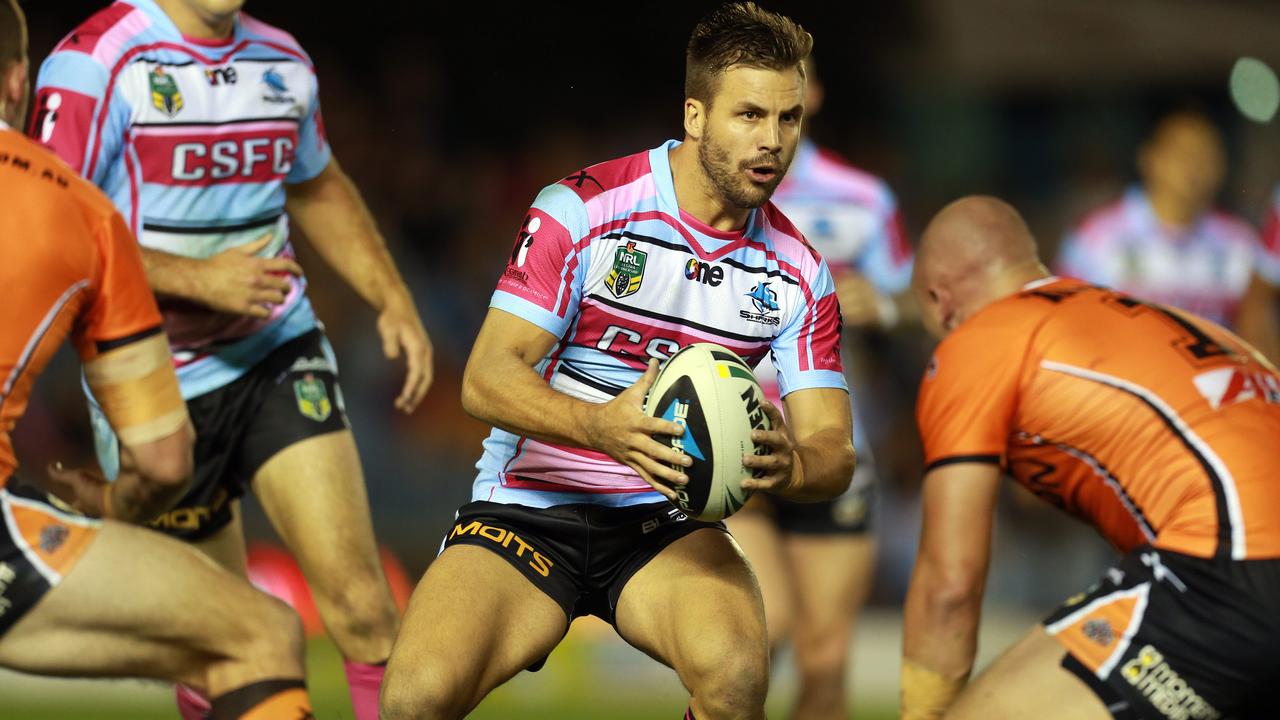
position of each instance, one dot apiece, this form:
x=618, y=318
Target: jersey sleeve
x=543, y=279
x=1268, y=264
x=78, y=115
x=122, y=307
x=806, y=351
x=968, y=397
x=313, y=151
x=887, y=260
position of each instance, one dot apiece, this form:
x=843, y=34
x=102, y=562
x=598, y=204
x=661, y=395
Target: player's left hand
x=778, y=466
x=860, y=301
x=83, y=490
x=401, y=330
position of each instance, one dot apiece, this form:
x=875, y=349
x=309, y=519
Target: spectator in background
x=1260, y=309
x=1163, y=240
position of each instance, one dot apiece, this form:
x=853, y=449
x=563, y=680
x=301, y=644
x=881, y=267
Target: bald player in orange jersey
x=81, y=596
x=1157, y=427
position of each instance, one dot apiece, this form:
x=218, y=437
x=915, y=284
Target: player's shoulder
x=600, y=178
x=268, y=34
x=857, y=184
x=61, y=187
x=1104, y=222
x=786, y=239
x=98, y=42
x=1230, y=227
x=1006, y=326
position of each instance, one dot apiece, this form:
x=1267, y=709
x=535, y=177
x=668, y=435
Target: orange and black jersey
x=1152, y=424
x=71, y=268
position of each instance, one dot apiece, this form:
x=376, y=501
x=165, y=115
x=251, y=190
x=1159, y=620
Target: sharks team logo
x=165, y=95
x=628, y=270
x=765, y=302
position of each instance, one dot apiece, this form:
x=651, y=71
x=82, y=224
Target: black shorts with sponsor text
x=290, y=396
x=1169, y=636
x=39, y=544
x=579, y=555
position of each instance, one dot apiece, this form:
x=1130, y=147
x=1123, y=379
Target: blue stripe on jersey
x=488, y=487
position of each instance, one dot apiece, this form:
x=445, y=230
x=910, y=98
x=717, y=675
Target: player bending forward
x=1156, y=426
x=568, y=516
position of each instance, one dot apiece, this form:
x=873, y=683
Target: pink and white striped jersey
x=194, y=141
x=607, y=262
x=1203, y=269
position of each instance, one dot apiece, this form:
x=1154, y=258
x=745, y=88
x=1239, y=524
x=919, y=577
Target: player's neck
x=193, y=24
x=697, y=196
x=1170, y=210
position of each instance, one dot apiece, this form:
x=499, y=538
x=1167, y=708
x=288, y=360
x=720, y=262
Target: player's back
x=51, y=223
x=1156, y=425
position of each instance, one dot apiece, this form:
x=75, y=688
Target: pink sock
x=364, y=682
x=191, y=704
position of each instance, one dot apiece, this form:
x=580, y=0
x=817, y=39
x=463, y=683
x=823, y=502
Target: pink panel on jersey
x=533, y=272
x=85, y=38
x=62, y=128
x=595, y=318
x=823, y=340
x=112, y=43
x=574, y=470
x=602, y=208
x=261, y=29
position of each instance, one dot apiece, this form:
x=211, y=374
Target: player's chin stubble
x=727, y=179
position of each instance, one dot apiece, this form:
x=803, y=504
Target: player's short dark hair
x=13, y=33
x=741, y=33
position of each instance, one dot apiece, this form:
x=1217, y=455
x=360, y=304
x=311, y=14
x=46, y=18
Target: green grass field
x=583, y=679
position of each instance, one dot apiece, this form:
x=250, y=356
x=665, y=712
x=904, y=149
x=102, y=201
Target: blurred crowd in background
x=451, y=117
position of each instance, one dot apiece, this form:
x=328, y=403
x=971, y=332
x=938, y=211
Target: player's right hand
x=237, y=281
x=621, y=429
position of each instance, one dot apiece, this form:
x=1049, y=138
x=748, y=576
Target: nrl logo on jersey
x=312, y=397
x=165, y=95
x=628, y=270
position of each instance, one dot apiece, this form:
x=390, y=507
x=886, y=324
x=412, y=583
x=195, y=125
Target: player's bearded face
x=751, y=131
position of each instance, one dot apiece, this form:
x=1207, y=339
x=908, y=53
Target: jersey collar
x=162, y=20
x=660, y=166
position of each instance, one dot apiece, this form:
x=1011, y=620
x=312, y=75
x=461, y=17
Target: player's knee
x=415, y=692
x=273, y=636
x=822, y=654
x=731, y=684
x=359, y=611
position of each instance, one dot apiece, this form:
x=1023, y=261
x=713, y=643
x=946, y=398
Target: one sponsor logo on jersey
x=312, y=397
x=52, y=537
x=7, y=576
x=1164, y=688
x=628, y=270
x=706, y=273
x=505, y=538
x=165, y=95
x=765, y=302
x=1099, y=630
x=277, y=90
x=221, y=76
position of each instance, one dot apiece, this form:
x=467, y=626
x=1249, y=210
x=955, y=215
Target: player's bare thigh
x=141, y=604
x=1028, y=681
x=226, y=546
x=313, y=492
x=757, y=534
x=696, y=607
x=474, y=621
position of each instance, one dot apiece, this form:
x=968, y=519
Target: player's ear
x=15, y=83
x=694, y=118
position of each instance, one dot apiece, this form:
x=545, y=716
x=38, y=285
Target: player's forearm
x=338, y=224
x=174, y=275
x=941, y=621
x=152, y=479
x=504, y=391
x=823, y=466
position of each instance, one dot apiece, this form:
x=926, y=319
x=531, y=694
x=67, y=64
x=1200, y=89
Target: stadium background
x=451, y=117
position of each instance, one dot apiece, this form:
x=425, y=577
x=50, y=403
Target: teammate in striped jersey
x=1164, y=241
x=203, y=125
x=1259, y=316
x=1155, y=426
x=616, y=267
x=94, y=596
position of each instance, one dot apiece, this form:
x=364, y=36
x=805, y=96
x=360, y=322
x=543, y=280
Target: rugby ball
x=713, y=393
